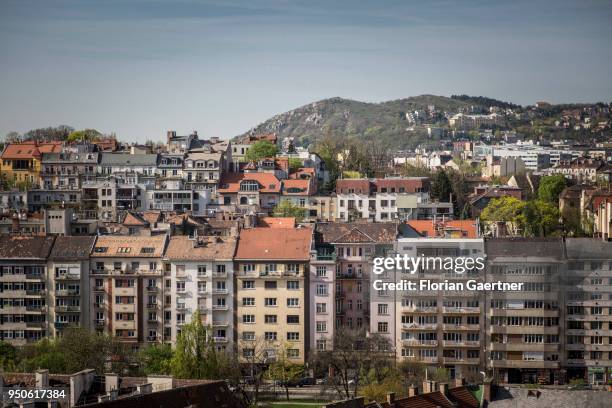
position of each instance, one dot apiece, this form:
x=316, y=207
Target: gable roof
x=202, y=248
x=274, y=244
x=463, y=397
x=130, y=246
x=302, y=185
x=123, y=159
x=434, y=229
x=277, y=222
x=356, y=232
x=267, y=181
x=72, y=247
x=29, y=150
x=134, y=219
x=18, y=247
x=429, y=400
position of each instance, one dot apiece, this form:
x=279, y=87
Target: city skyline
x=139, y=68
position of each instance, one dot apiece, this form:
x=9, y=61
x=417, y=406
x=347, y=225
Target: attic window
x=100, y=250
x=124, y=250
x=147, y=250
x=272, y=186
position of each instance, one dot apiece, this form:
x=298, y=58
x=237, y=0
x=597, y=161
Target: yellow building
x=272, y=294
x=22, y=162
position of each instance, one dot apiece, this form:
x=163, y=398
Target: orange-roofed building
x=272, y=266
x=250, y=189
x=445, y=228
x=277, y=222
x=22, y=162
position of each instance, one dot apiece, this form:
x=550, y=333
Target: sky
x=141, y=67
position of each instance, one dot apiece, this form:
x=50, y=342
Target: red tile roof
x=463, y=397
x=359, y=186
x=429, y=400
x=296, y=187
x=29, y=150
x=277, y=222
x=267, y=181
x=274, y=244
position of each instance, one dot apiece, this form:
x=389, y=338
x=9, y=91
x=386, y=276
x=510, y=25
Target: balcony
x=99, y=322
x=35, y=292
x=447, y=327
x=416, y=326
x=152, y=288
x=203, y=309
x=451, y=310
x=525, y=329
x=524, y=364
x=420, y=343
x=29, y=308
x=217, y=291
x=36, y=325
x=220, y=339
x=220, y=323
x=68, y=276
x=181, y=306
x=420, y=309
x=220, y=275
x=69, y=309
x=152, y=339
x=220, y=307
x=35, y=276
x=67, y=292
x=326, y=257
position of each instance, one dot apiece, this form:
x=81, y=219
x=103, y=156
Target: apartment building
x=322, y=300
x=23, y=300
x=66, y=170
x=524, y=329
x=355, y=245
x=199, y=276
x=380, y=200
x=68, y=287
x=588, y=314
x=441, y=327
x=126, y=285
x=22, y=162
x=203, y=170
x=273, y=292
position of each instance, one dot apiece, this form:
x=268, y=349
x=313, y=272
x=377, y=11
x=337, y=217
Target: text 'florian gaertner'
x=456, y=265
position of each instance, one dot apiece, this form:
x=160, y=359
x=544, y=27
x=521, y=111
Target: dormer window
x=249, y=185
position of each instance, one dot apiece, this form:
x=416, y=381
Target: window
x=321, y=327
x=270, y=284
x=321, y=289
x=248, y=319
x=270, y=302
x=321, y=308
x=270, y=319
x=383, y=327
x=248, y=335
x=248, y=284
x=293, y=319
x=383, y=309
x=293, y=336
x=270, y=336
x=248, y=301
x=293, y=285
x=293, y=302
x=321, y=271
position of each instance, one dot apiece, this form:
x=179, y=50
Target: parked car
x=298, y=382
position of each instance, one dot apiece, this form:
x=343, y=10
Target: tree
x=286, y=208
x=156, y=359
x=507, y=210
x=551, y=187
x=540, y=218
x=83, y=135
x=441, y=187
x=261, y=150
x=294, y=164
x=195, y=355
x=256, y=357
x=59, y=133
x=283, y=370
x=8, y=356
x=408, y=170
x=353, y=357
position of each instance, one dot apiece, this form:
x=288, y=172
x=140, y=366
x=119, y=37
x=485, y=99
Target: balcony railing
x=220, y=307
x=218, y=291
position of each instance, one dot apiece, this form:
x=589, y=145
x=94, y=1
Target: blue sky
x=140, y=67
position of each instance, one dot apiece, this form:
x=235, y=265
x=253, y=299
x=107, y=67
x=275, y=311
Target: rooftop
x=129, y=246
x=73, y=247
x=18, y=247
x=200, y=248
x=274, y=244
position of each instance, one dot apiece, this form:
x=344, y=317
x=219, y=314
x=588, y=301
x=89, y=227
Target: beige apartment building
x=524, y=329
x=68, y=284
x=126, y=285
x=272, y=293
x=23, y=301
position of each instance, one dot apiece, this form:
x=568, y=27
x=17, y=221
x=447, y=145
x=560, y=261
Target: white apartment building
x=200, y=277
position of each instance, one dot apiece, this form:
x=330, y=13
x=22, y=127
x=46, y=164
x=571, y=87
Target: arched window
x=243, y=200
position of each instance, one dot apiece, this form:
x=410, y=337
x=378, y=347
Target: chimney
x=429, y=386
x=170, y=134
x=459, y=382
x=443, y=388
x=413, y=390
x=486, y=392
x=111, y=382
x=391, y=399
x=42, y=378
